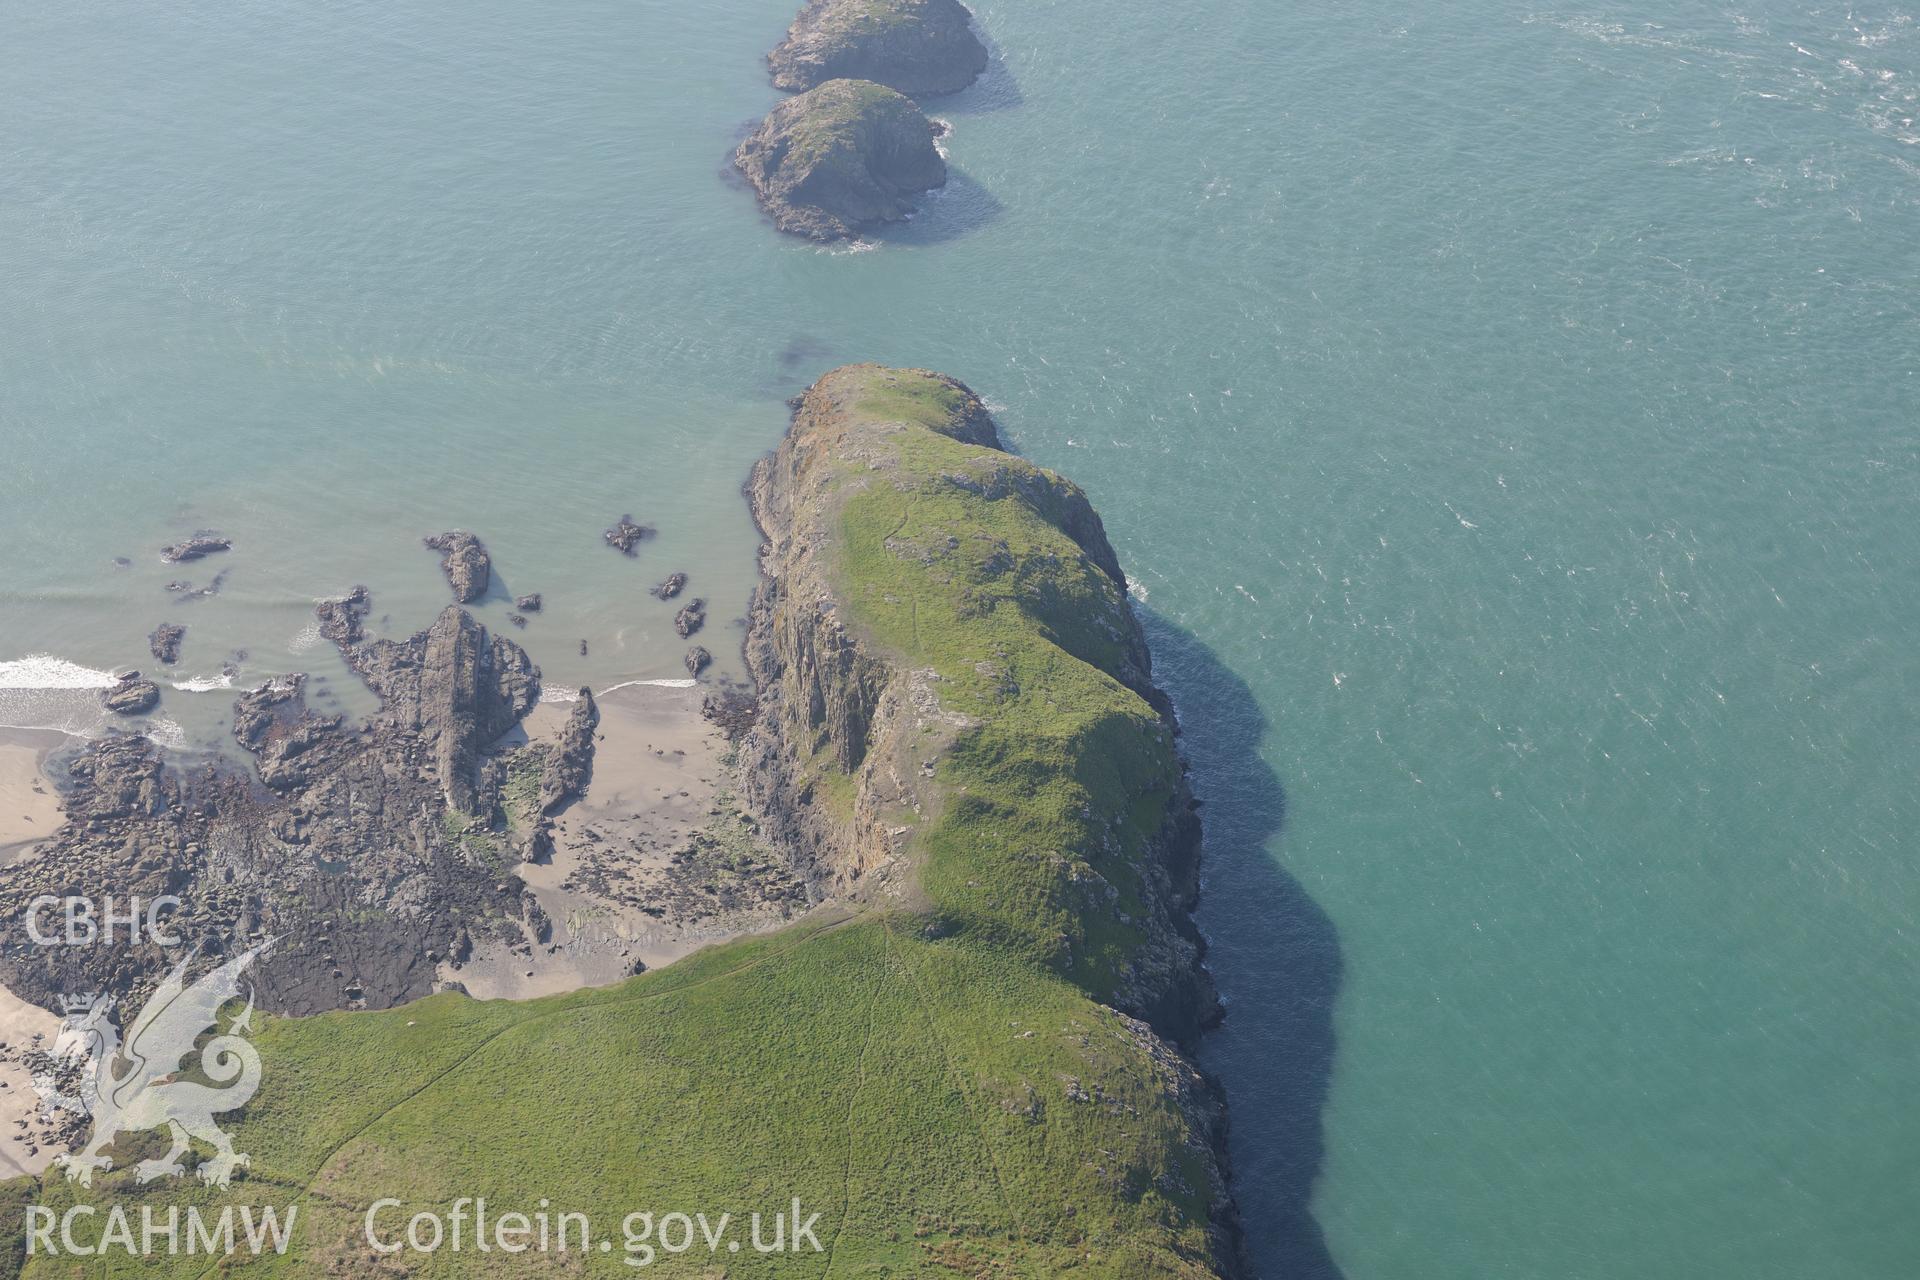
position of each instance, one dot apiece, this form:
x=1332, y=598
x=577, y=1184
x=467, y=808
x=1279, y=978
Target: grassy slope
x=830, y=118
x=952, y=1105
x=1069, y=770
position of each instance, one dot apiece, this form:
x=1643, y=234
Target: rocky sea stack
x=465, y=562
x=920, y=47
x=847, y=155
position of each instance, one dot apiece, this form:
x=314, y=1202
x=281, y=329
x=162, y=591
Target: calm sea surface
x=1508, y=416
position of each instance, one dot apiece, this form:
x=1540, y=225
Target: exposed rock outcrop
x=698, y=660
x=455, y=689
x=465, y=561
x=133, y=695
x=918, y=47
x=670, y=588
x=374, y=851
x=569, y=764
x=845, y=156
x=527, y=603
x=194, y=548
x=691, y=618
x=164, y=642
x=341, y=621
x=188, y=593
x=626, y=534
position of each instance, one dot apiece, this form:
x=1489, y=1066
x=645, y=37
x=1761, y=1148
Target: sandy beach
x=29, y=806
x=26, y=1145
x=29, y=813
x=655, y=861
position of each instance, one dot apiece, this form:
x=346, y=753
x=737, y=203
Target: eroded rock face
x=918, y=47
x=453, y=687
x=845, y=156
x=465, y=562
x=134, y=695
x=569, y=764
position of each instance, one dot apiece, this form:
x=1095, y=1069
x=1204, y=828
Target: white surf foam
x=573, y=695
x=681, y=683
x=165, y=732
x=204, y=684
x=45, y=671
x=43, y=691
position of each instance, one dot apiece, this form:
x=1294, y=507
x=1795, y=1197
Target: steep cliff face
x=847, y=155
x=959, y=711
x=920, y=47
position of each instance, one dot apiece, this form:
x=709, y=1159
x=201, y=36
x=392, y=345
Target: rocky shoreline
x=382, y=853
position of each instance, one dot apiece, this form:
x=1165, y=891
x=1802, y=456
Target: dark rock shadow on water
x=803, y=359
x=803, y=353
x=995, y=90
x=960, y=208
x=1273, y=952
x=730, y=174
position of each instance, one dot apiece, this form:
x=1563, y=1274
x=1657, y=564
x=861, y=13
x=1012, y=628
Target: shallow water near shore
x=1506, y=415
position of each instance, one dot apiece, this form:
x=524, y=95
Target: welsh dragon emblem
x=127, y=1088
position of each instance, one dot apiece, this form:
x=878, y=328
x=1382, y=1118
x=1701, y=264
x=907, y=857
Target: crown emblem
x=80, y=1003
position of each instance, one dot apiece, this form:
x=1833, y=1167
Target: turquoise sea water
x=1507, y=416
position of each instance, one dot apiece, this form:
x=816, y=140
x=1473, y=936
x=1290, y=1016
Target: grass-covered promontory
x=957, y=716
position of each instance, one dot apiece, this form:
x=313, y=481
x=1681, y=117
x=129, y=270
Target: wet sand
x=29, y=814
x=29, y=806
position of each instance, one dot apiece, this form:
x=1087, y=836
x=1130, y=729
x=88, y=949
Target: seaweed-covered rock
x=919, y=47
x=691, y=618
x=698, y=659
x=625, y=535
x=188, y=593
x=671, y=587
x=194, y=548
x=165, y=640
x=848, y=155
x=465, y=561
